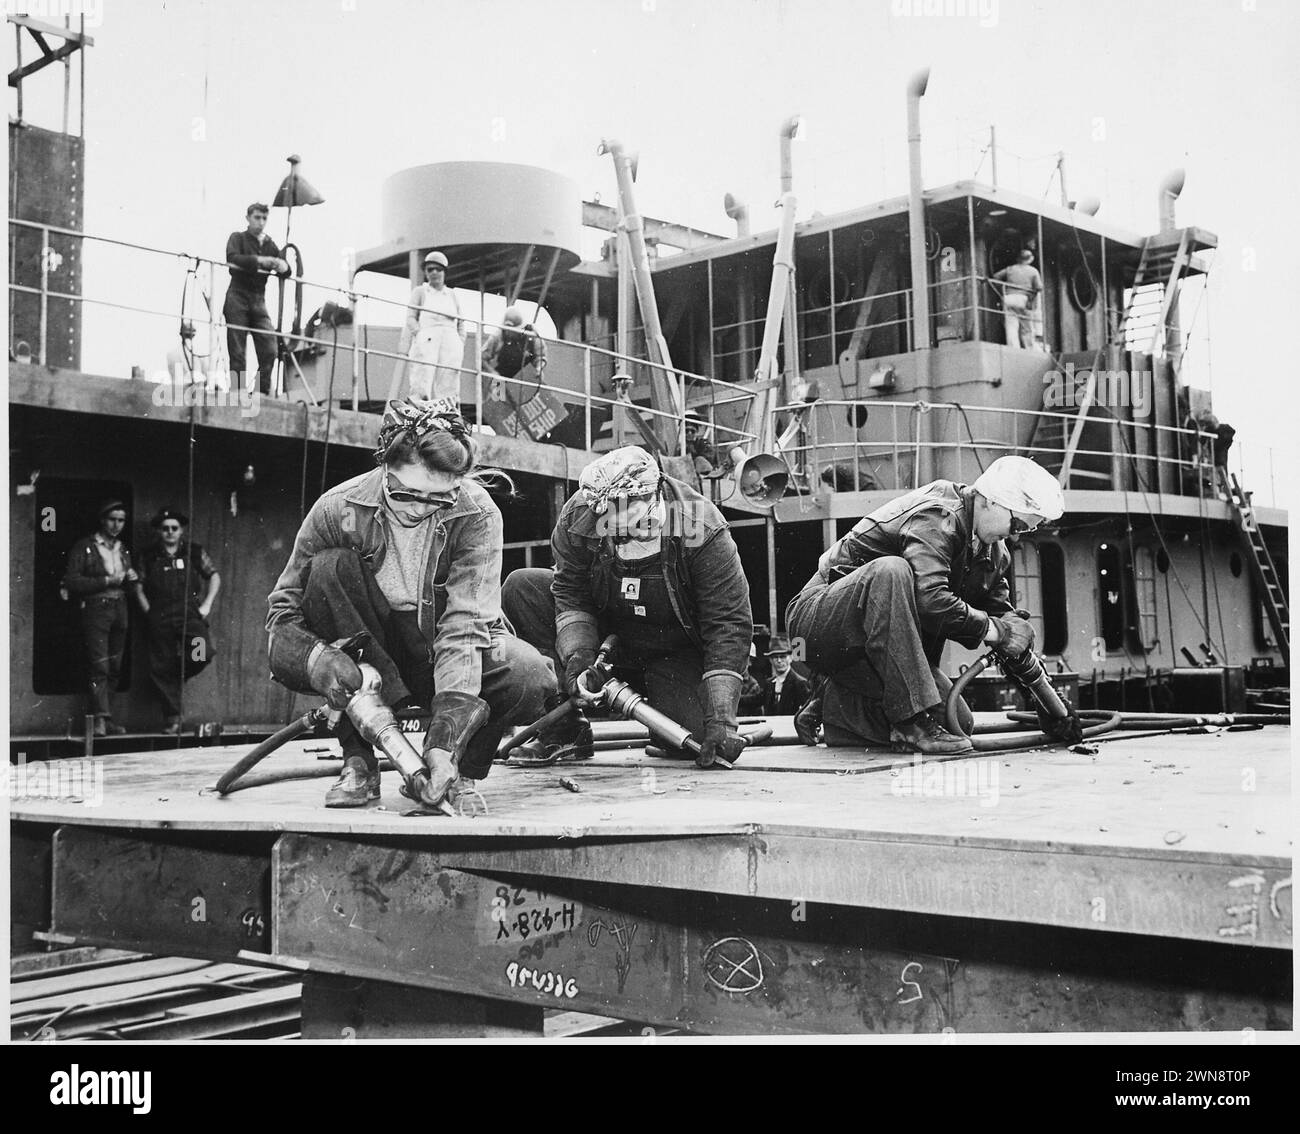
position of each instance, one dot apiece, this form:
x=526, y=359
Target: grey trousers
x=672, y=683
x=342, y=598
x=863, y=633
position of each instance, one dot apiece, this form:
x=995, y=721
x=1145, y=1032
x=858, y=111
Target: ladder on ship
x=1270, y=586
x=1160, y=270
x=1165, y=260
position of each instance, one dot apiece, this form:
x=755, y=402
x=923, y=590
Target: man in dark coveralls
x=928, y=566
x=646, y=557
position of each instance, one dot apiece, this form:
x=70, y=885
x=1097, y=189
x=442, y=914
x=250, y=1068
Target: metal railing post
x=478, y=375
x=586, y=392
x=45, y=292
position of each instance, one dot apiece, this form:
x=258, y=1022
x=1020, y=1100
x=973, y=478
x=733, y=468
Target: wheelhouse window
x=1110, y=596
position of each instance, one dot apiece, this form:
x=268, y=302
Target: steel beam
x=29, y=883
x=1209, y=898
x=196, y=898
x=736, y=966
x=342, y=1007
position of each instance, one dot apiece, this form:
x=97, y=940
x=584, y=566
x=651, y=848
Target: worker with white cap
x=925, y=568
x=433, y=338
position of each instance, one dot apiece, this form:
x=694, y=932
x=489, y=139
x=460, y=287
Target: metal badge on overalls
x=632, y=590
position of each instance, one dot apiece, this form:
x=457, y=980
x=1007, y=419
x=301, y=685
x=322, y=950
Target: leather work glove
x=335, y=676
x=578, y=664
x=1068, y=730
x=456, y=718
x=1015, y=635
x=721, y=736
x=720, y=740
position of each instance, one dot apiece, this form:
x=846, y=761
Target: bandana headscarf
x=625, y=474
x=413, y=418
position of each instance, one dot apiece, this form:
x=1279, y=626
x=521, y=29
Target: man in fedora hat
x=179, y=585
x=785, y=691
x=99, y=574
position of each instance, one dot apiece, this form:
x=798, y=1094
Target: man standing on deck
x=1019, y=286
x=926, y=567
x=253, y=258
x=516, y=345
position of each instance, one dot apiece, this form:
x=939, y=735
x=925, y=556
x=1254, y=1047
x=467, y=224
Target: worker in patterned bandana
x=643, y=556
x=410, y=554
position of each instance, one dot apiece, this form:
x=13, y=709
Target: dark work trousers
x=179, y=648
x=863, y=632
x=241, y=311
x=104, y=622
x=342, y=598
x=671, y=682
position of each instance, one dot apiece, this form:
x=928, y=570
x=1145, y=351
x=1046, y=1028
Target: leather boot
x=924, y=734
x=359, y=783
x=808, y=720
x=570, y=739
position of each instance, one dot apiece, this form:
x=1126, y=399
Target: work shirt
x=460, y=581
x=401, y=571
x=1020, y=279
x=111, y=552
x=959, y=581
x=242, y=251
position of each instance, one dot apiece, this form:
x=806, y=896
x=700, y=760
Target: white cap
x=436, y=258
x=1023, y=486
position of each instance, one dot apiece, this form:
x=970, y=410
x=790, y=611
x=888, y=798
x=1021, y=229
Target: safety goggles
x=400, y=493
x=1020, y=527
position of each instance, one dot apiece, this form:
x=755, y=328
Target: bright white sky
x=192, y=107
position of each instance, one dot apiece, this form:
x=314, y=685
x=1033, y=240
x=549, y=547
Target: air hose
x=1106, y=721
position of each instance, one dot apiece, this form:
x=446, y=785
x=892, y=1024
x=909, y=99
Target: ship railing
x=595, y=366
x=903, y=451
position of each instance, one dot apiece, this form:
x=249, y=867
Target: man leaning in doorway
x=1019, y=287
x=99, y=573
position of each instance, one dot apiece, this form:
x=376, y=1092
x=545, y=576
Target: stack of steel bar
x=134, y=996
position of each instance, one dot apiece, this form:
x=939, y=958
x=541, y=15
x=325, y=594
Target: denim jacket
x=460, y=604
x=932, y=527
x=705, y=578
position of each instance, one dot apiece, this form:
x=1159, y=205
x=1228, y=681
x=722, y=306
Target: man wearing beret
x=646, y=557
